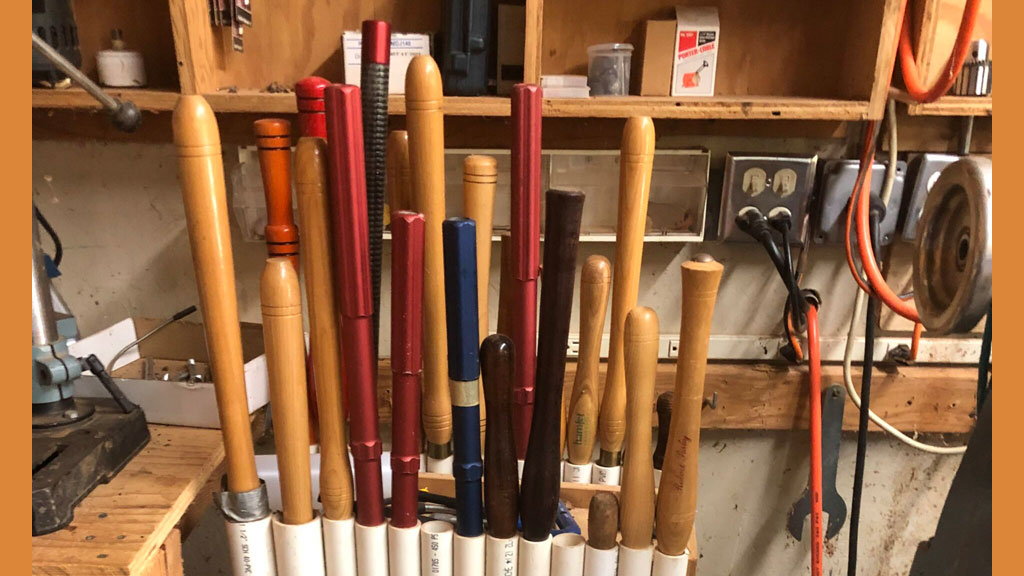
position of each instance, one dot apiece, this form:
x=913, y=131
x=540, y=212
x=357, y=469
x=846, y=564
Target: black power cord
x=58, y=248
x=874, y=218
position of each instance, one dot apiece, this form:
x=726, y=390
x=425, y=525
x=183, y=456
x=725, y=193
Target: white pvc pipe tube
x=601, y=562
x=535, y=557
x=299, y=548
x=372, y=550
x=423, y=463
x=521, y=463
x=443, y=466
x=469, y=555
x=665, y=565
x=404, y=550
x=251, y=548
x=502, y=556
x=578, y=474
x=436, y=548
x=608, y=476
x=340, y=547
x=567, y=554
x=636, y=562
x=657, y=479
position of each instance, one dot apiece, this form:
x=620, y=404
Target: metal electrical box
x=765, y=182
x=839, y=178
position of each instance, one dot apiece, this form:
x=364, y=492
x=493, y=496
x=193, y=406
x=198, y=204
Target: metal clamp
x=240, y=507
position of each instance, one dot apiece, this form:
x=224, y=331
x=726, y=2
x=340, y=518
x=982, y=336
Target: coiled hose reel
x=953, y=258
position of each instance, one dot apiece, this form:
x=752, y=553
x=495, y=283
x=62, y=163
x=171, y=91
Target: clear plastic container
x=608, y=69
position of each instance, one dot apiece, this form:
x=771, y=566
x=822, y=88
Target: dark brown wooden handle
x=541, y=472
x=603, y=521
x=501, y=471
x=664, y=408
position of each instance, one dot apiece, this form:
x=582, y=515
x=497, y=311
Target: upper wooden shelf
x=722, y=107
x=947, y=105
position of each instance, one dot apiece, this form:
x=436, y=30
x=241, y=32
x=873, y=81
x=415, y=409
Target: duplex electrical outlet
x=840, y=176
x=765, y=182
x=925, y=170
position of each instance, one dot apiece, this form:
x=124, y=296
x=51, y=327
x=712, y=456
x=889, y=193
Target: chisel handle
x=677, y=492
x=595, y=281
x=406, y=363
x=637, y=160
x=324, y=338
x=425, y=122
x=542, y=470
x=399, y=179
x=273, y=145
x=285, y=347
x=201, y=173
x=464, y=372
x=502, y=472
x=636, y=500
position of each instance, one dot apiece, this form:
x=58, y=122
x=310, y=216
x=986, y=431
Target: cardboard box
x=404, y=47
x=655, y=59
x=170, y=402
x=696, y=51
x=511, y=31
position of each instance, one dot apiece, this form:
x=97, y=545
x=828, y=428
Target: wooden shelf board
x=723, y=107
x=947, y=105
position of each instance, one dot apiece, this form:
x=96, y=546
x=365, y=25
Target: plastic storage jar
x=608, y=70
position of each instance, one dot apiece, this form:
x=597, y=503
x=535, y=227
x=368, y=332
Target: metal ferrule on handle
x=526, y=142
x=309, y=98
x=406, y=359
x=464, y=371
x=542, y=472
x=348, y=204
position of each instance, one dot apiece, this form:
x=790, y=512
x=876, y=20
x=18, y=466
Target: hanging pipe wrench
x=833, y=399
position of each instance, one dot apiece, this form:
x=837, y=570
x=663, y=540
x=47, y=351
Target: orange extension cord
x=814, y=354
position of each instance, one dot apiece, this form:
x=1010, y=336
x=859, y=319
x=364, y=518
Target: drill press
x=76, y=443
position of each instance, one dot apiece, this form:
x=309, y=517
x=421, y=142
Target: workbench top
x=129, y=526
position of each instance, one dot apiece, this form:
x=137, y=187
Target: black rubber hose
x=865, y=403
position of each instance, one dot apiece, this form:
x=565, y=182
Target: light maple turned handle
x=636, y=501
x=285, y=349
x=637, y=158
x=399, y=179
x=325, y=342
x=201, y=173
x=479, y=179
x=595, y=281
x=677, y=492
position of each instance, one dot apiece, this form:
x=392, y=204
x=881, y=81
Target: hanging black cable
x=983, y=362
x=58, y=249
x=875, y=218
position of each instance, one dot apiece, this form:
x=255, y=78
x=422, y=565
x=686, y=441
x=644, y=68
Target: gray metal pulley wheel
x=953, y=259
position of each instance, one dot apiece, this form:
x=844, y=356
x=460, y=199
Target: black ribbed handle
x=374, y=80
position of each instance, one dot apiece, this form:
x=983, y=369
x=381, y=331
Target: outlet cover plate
x=757, y=180
x=839, y=177
x=926, y=169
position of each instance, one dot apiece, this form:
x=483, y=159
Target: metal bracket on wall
x=840, y=176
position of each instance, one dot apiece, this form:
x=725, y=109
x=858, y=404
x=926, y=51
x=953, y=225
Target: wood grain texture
x=501, y=471
x=637, y=159
x=120, y=526
x=281, y=304
x=146, y=28
x=636, y=501
x=201, y=173
x=603, y=519
x=677, y=492
x=595, y=282
x=324, y=339
x=399, y=177
x=426, y=159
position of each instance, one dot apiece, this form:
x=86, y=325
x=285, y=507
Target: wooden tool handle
x=664, y=409
x=309, y=99
x=637, y=158
x=501, y=475
x=324, y=340
x=286, y=370
x=677, y=493
x=505, y=288
x=595, y=280
x=479, y=179
x=399, y=179
x=273, y=143
x=636, y=501
x=542, y=470
x=603, y=521
x=201, y=173
x=425, y=122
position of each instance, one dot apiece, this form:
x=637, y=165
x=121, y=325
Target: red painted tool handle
x=309, y=98
x=348, y=210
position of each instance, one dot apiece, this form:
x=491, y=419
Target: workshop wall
x=118, y=210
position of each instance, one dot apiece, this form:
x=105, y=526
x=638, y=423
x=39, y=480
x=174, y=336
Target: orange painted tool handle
x=637, y=159
x=285, y=346
x=273, y=142
x=201, y=173
x=324, y=338
x=677, y=492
